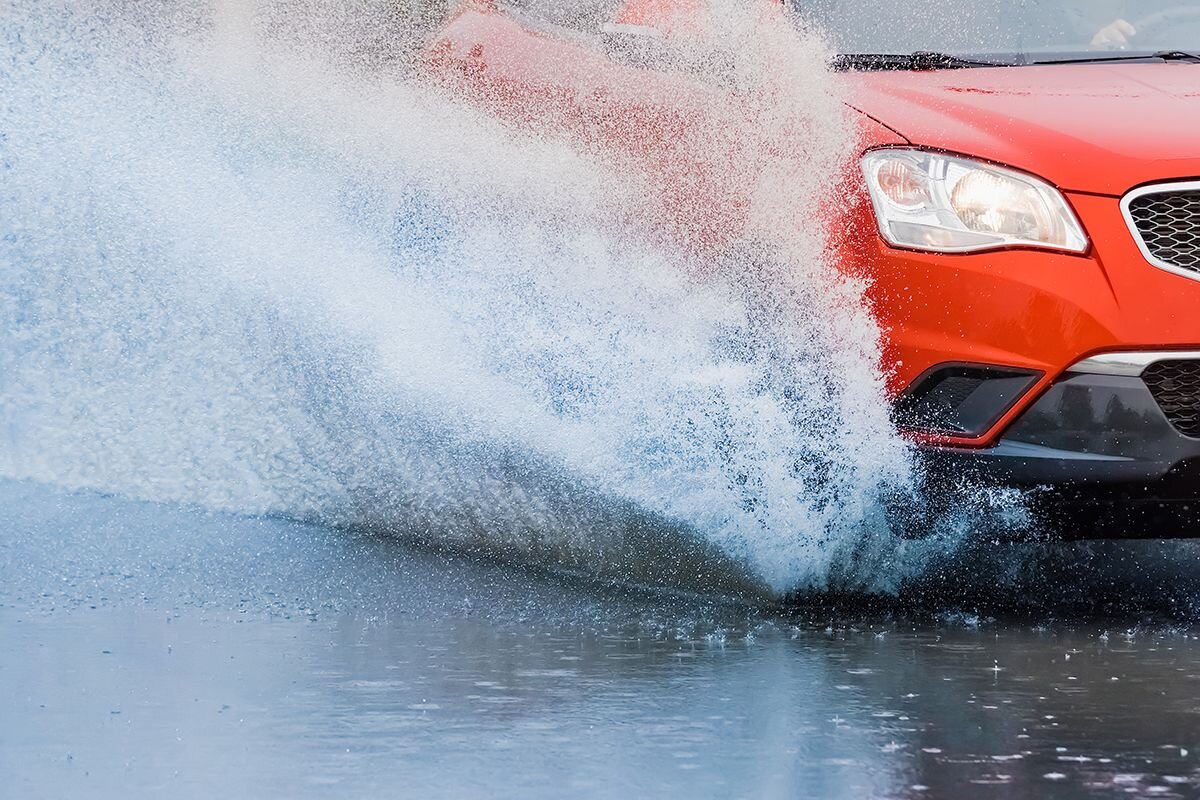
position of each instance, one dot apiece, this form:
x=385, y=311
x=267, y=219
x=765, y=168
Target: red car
x=1025, y=209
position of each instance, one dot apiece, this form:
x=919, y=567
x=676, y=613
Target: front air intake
x=961, y=400
x=1176, y=387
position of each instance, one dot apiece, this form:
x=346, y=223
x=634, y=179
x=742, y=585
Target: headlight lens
x=931, y=201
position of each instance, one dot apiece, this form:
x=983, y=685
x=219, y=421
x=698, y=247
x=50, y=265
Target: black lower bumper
x=1099, y=458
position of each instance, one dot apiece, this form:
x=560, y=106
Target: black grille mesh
x=1169, y=224
x=1176, y=387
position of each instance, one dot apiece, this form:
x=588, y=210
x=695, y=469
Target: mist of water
x=250, y=260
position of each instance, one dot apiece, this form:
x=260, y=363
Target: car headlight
x=931, y=201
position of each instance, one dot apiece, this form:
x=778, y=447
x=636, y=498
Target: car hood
x=1101, y=128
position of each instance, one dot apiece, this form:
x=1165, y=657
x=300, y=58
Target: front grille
x=1176, y=387
x=1168, y=223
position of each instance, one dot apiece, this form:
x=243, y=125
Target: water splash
x=266, y=278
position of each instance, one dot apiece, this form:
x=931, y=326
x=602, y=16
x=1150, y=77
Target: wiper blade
x=1161, y=55
x=924, y=59
x=1178, y=55
x=920, y=60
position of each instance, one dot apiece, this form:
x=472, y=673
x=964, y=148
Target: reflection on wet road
x=153, y=650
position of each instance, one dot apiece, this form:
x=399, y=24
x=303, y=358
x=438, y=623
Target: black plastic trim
x=997, y=391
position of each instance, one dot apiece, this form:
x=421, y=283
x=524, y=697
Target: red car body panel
x=558, y=84
x=1101, y=128
x=1094, y=131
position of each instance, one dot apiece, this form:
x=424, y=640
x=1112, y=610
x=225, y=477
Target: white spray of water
x=238, y=273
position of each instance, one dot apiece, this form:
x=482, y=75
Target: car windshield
x=1008, y=31
x=977, y=32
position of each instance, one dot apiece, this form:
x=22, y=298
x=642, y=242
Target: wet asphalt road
x=164, y=651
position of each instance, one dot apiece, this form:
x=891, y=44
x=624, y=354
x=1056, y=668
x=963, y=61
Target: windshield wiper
x=1161, y=55
x=1178, y=55
x=920, y=60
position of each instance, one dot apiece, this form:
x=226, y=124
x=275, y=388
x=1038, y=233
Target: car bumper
x=1020, y=310
x=1098, y=453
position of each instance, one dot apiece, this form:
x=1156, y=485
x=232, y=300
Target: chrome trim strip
x=1156, y=188
x=1130, y=365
